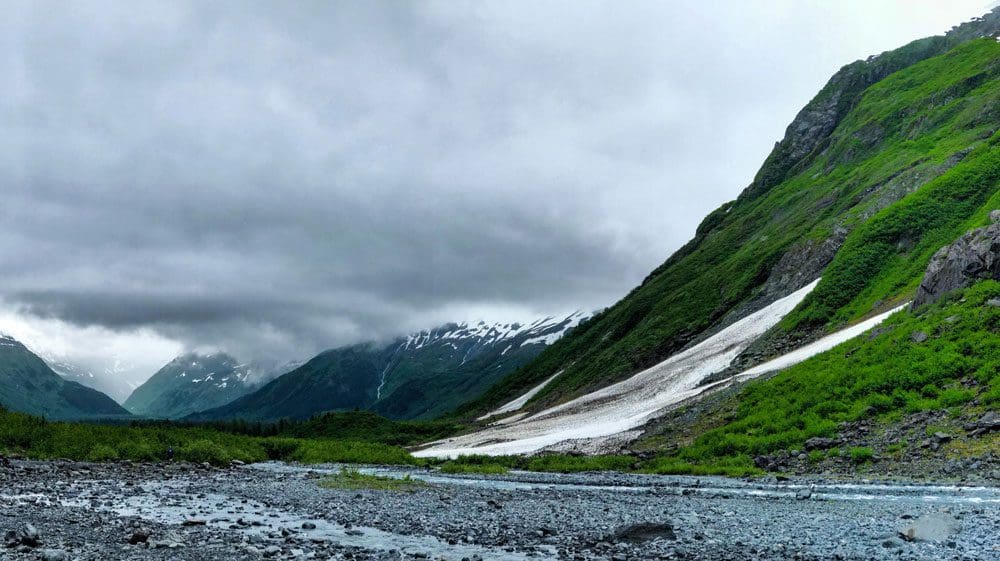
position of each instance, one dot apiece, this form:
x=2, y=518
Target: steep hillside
x=28, y=385
x=191, y=382
x=422, y=376
x=895, y=157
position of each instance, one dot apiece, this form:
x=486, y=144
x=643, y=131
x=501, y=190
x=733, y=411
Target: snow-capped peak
x=545, y=330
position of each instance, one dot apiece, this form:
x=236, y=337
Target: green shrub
x=453, y=467
x=102, y=453
x=204, y=450
x=861, y=454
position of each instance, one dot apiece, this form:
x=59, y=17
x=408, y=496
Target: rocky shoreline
x=64, y=511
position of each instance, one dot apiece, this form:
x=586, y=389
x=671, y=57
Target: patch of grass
x=352, y=479
x=730, y=467
x=487, y=469
x=882, y=377
x=861, y=454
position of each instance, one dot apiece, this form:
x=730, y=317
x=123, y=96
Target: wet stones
x=936, y=526
x=645, y=532
x=53, y=555
x=26, y=537
x=138, y=537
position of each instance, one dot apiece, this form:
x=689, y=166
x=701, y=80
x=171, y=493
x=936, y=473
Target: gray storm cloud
x=282, y=177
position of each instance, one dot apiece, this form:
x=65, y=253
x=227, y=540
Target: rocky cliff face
x=809, y=132
x=975, y=256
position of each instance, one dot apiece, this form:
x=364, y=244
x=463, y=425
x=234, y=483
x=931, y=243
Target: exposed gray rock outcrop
x=975, y=256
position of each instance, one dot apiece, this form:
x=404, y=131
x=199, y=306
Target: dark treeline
x=362, y=426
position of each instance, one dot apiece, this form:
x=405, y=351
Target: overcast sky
x=277, y=178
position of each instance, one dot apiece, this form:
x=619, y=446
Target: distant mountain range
x=194, y=382
x=29, y=385
x=109, y=381
x=420, y=376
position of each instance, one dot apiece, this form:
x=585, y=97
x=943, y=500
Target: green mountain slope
x=876, y=397
x=188, y=384
x=28, y=385
x=895, y=157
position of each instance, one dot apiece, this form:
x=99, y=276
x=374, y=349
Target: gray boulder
x=821, y=443
x=987, y=423
x=975, y=256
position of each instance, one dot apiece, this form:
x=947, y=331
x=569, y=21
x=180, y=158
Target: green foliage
x=484, y=468
x=102, y=453
x=877, y=376
x=362, y=426
x=353, y=479
x=37, y=438
x=861, y=454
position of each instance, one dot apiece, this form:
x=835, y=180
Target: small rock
x=918, y=336
x=308, y=526
x=820, y=443
x=141, y=536
x=645, y=532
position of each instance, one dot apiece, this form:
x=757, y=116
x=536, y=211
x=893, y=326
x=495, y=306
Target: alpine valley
x=822, y=359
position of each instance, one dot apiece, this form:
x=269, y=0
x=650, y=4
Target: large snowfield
x=620, y=408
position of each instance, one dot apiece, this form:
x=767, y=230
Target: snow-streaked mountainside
x=29, y=385
x=613, y=413
x=109, y=381
x=895, y=159
x=193, y=382
x=420, y=376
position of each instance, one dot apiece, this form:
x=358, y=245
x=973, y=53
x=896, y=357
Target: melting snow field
x=622, y=407
x=519, y=402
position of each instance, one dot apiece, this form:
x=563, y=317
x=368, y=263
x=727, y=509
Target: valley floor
x=279, y=511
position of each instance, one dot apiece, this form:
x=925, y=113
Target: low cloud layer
x=277, y=178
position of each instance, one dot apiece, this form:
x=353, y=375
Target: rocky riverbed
x=65, y=511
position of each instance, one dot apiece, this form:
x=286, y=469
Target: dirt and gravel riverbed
x=64, y=511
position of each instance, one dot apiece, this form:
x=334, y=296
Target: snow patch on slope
x=816, y=347
x=621, y=408
x=627, y=404
x=518, y=403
